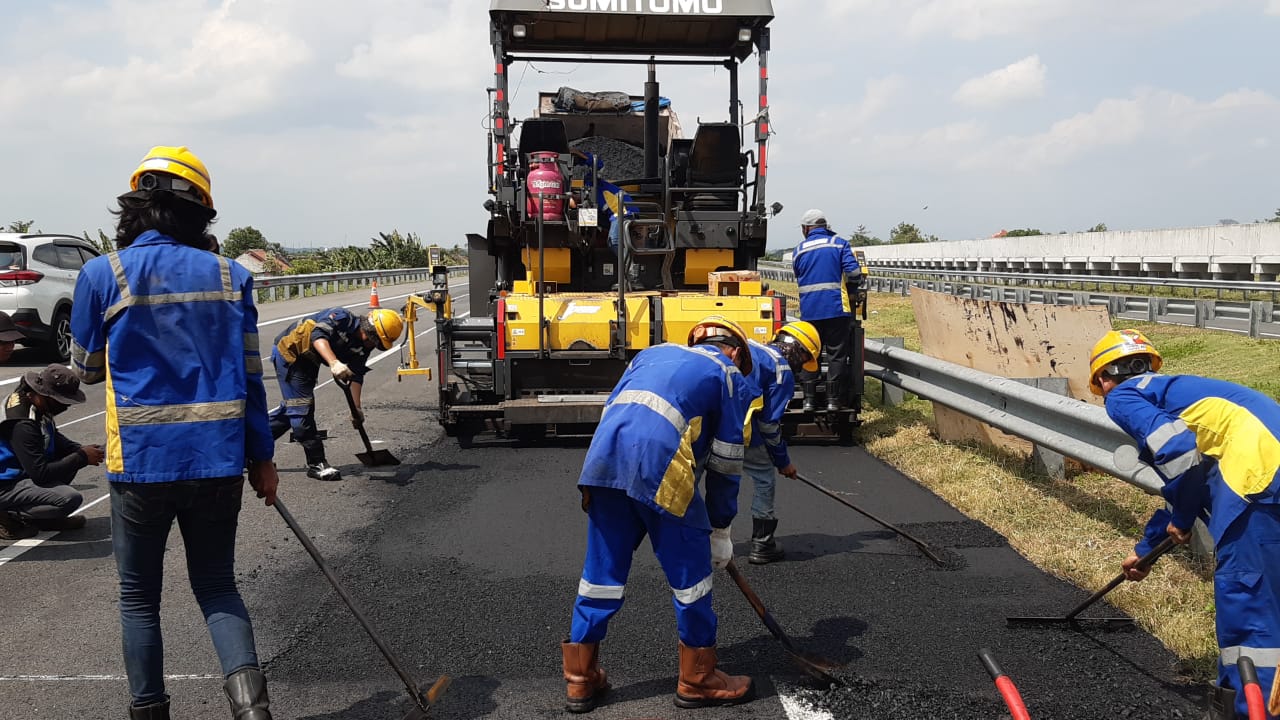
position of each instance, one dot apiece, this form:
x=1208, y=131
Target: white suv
x=37, y=280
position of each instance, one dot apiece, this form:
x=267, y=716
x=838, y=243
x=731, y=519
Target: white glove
x=340, y=370
x=721, y=548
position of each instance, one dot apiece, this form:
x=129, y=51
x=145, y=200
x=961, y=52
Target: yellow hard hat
x=178, y=163
x=1115, y=345
x=806, y=335
x=387, y=324
x=719, y=328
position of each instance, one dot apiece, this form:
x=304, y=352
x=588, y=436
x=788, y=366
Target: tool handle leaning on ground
x=924, y=547
x=1252, y=690
x=419, y=699
x=351, y=403
x=815, y=666
x=1144, y=562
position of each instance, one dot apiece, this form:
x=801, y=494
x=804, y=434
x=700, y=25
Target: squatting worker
x=794, y=348
x=823, y=263
x=38, y=463
x=676, y=411
x=1217, y=446
x=337, y=338
x=173, y=331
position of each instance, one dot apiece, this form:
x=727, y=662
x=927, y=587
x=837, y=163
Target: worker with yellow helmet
x=1217, y=446
x=172, y=330
x=795, y=348
x=677, y=412
x=342, y=340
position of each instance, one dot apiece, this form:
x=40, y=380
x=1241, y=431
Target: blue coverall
x=677, y=411
x=766, y=449
x=821, y=264
x=1217, y=444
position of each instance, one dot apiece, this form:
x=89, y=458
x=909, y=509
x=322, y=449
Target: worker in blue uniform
x=794, y=348
x=676, y=412
x=1217, y=445
x=340, y=339
x=824, y=267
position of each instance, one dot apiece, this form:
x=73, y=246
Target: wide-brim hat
x=56, y=382
x=8, y=331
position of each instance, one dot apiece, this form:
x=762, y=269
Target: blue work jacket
x=772, y=377
x=676, y=412
x=173, y=332
x=821, y=264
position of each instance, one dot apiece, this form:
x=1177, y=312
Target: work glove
x=357, y=418
x=341, y=371
x=721, y=548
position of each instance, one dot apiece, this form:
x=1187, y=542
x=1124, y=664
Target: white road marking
x=21, y=546
x=797, y=710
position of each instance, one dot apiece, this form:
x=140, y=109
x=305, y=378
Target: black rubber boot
x=154, y=711
x=1222, y=703
x=247, y=691
x=810, y=398
x=764, y=548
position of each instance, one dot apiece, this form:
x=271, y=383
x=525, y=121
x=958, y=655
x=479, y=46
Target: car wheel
x=60, y=345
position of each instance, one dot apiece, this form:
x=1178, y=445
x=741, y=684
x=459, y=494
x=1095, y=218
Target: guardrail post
x=1046, y=461
x=1204, y=311
x=891, y=395
x=1257, y=311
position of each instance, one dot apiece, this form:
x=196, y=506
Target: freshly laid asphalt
x=467, y=562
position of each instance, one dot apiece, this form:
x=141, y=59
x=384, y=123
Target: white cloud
x=1019, y=81
x=978, y=19
x=448, y=55
x=1273, y=7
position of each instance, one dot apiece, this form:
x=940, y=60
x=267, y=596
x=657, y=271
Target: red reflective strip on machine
x=502, y=329
x=764, y=73
x=501, y=68
x=764, y=128
x=502, y=159
x=498, y=122
x=501, y=96
x=764, y=160
x=764, y=101
x=778, y=320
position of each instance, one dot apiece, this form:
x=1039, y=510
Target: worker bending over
x=1217, y=446
x=676, y=411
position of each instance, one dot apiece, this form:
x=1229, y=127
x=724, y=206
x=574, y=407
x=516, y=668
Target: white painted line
x=95, y=678
x=797, y=710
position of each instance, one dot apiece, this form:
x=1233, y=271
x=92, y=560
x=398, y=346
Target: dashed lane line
x=797, y=710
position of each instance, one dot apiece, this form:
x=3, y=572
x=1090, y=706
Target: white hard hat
x=813, y=218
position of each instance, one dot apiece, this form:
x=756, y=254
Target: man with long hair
x=173, y=331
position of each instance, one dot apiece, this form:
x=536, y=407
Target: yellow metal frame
x=437, y=301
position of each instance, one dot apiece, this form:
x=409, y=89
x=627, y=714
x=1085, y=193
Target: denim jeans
x=757, y=465
x=206, y=511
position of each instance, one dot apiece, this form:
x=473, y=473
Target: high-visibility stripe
x=1180, y=464
x=185, y=413
x=654, y=402
x=821, y=286
x=600, y=592
x=828, y=242
x=1161, y=436
x=769, y=428
x=726, y=450
x=89, y=367
x=1146, y=380
x=1262, y=657
x=253, y=364
x=250, y=342
x=299, y=402
x=724, y=466
x=689, y=596
x=170, y=299
x=115, y=455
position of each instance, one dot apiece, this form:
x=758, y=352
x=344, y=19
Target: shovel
x=422, y=700
x=371, y=457
x=815, y=666
x=1070, y=618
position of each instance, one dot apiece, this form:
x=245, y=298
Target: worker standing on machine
x=1217, y=446
x=823, y=264
x=676, y=411
x=337, y=338
x=794, y=349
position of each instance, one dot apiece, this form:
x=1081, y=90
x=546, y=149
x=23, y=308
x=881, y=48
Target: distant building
x=263, y=262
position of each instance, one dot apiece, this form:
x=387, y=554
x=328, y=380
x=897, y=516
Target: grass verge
x=1079, y=528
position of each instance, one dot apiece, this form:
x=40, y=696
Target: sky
x=326, y=122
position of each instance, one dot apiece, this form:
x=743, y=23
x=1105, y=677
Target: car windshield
x=11, y=257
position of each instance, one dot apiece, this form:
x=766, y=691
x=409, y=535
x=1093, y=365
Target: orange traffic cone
x=373, y=297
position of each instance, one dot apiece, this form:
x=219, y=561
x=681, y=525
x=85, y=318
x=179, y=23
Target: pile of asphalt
x=622, y=161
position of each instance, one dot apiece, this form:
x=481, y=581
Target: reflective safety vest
x=1213, y=441
x=676, y=412
x=776, y=384
x=338, y=326
x=821, y=264
x=173, y=331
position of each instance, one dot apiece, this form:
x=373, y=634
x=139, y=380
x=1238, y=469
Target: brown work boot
x=702, y=685
x=582, y=671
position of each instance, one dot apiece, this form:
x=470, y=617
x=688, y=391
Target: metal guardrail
x=283, y=287
x=1115, y=281
x=1063, y=424
x=1256, y=318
